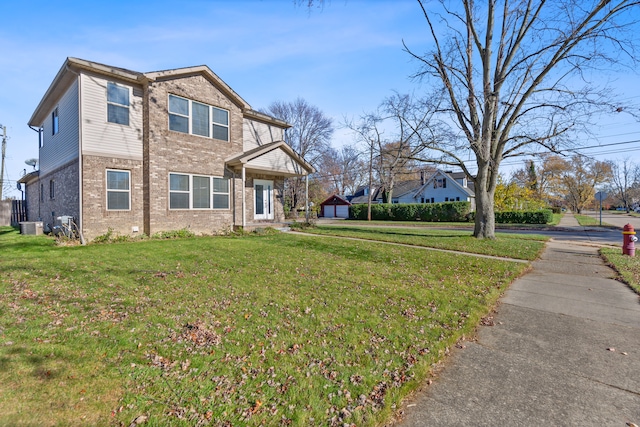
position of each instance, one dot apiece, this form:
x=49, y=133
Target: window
x=220, y=193
x=457, y=199
x=52, y=189
x=201, y=192
x=55, y=122
x=200, y=119
x=193, y=117
x=220, y=124
x=178, y=114
x=117, y=104
x=178, y=191
x=118, y=190
x=440, y=183
x=446, y=199
x=198, y=192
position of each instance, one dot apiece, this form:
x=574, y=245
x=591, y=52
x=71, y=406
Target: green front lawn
x=519, y=246
x=278, y=329
x=628, y=267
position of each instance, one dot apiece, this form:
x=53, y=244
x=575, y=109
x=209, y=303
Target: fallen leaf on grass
x=611, y=349
x=139, y=420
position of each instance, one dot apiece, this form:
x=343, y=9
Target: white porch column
x=244, y=209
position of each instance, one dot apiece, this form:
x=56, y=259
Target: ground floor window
x=188, y=191
x=118, y=190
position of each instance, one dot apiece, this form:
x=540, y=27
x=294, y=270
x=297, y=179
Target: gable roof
x=202, y=70
x=67, y=75
x=405, y=187
x=72, y=66
x=336, y=199
x=455, y=183
x=261, y=150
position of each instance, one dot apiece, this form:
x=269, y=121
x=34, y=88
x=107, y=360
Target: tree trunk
x=485, y=223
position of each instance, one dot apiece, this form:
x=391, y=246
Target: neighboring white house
x=445, y=187
x=438, y=187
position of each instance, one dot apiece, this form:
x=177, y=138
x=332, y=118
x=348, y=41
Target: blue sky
x=344, y=59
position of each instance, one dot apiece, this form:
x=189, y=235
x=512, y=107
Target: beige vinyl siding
x=275, y=160
x=101, y=138
x=256, y=134
x=61, y=148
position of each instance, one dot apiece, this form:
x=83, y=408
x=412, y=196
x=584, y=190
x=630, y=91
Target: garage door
x=342, y=211
x=328, y=211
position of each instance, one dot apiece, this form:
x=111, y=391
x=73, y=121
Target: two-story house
x=443, y=187
x=148, y=152
x=435, y=186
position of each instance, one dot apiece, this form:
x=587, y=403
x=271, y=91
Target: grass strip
x=518, y=246
x=589, y=221
x=278, y=329
x=627, y=267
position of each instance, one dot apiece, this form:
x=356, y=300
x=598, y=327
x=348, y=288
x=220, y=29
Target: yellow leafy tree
x=510, y=196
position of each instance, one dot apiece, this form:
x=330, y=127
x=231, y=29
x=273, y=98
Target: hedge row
x=430, y=212
x=444, y=212
x=542, y=216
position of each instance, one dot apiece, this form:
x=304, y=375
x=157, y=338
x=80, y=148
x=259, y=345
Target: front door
x=263, y=196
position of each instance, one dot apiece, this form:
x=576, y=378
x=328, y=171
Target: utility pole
x=4, y=150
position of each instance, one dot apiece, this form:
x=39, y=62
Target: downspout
x=39, y=130
x=79, y=225
x=233, y=174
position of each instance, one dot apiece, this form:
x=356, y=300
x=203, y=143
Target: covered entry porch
x=262, y=173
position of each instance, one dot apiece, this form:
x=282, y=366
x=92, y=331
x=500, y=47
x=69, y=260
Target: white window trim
x=119, y=105
x=55, y=122
x=189, y=118
x=190, y=192
x=106, y=183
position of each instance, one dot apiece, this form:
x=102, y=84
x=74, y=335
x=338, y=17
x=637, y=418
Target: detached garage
x=335, y=207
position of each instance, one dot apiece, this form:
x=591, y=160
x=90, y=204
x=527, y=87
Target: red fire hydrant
x=629, y=240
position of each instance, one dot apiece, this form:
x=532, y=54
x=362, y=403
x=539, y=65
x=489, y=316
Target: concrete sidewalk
x=564, y=350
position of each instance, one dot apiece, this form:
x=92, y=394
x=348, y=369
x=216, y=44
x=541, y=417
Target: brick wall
x=278, y=198
x=32, y=199
x=96, y=219
x=65, y=199
x=168, y=151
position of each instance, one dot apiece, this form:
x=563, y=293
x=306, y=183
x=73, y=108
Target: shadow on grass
x=378, y=231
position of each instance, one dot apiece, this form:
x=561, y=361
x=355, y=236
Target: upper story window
x=440, y=183
x=193, y=117
x=52, y=189
x=118, y=190
x=55, y=123
x=117, y=104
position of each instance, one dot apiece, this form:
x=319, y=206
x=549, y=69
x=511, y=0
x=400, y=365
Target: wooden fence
x=12, y=212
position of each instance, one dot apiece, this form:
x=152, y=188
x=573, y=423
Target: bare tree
x=343, y=170
x=623, y=186
x=396, y=134
x=580, y=177
x=515, y=75
x=309, y=136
